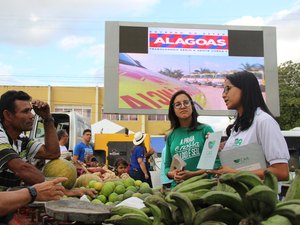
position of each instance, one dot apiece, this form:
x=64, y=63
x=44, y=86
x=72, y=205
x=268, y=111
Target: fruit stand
x=232, y=199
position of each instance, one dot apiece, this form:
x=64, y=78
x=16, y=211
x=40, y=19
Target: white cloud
x=97, y=73
x=218, y=123
x=192, y=3
x=287, y=23
x=75, y=41
x=36, y=22
x=5, y=70
x=96, y=52
x=247, y=21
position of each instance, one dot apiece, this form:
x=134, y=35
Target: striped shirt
x=23, y=148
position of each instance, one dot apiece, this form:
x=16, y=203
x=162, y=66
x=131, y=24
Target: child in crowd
x=121, y=166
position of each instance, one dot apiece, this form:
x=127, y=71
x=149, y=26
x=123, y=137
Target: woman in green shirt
x=186, y=138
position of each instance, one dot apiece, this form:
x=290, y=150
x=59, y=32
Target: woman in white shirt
x=254, y=123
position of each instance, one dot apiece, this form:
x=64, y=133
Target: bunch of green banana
x=185, y=205
x=190, y=181
x=240, y=187
x=290, y=210
x=125, y=215
x=197, y=185
x=234, y=199
x=276, y=220
x=166, y=216
x=248, y=178
x=155, y=211
x=226, y=199
x=271, y=180
x=294, y=190
x=260, y=201
x=217, y=213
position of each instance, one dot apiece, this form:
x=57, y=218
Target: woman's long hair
x=251, y=98
x=174, y=119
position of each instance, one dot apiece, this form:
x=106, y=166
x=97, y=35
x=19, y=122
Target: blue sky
x=51, y=42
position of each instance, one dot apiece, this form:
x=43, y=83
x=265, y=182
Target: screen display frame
x=111, y=70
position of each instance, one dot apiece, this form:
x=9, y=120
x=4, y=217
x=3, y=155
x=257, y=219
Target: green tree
x=289, y=95
x=172, y=73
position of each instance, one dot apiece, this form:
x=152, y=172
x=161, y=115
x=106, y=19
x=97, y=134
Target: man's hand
x=78, y=192
x=41, y=108
x=50, y=190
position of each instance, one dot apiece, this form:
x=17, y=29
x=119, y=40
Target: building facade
x=89, y=102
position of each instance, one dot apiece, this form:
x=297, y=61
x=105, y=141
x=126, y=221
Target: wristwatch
x=32, y=192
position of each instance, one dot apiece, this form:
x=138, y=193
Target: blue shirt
x=83, y=150
x=163, y=177
x=138, y=152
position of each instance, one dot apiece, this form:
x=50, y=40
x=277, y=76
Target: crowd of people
x=19, y=155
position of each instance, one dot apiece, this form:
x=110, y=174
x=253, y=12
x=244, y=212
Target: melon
x=61, y=168
x=84, y=179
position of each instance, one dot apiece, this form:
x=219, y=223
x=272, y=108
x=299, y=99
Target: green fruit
x=109, y=203
x=137, y=194
x=132, y=188
x=145, y=195
x=120, y=189
x=145, y=190
x=92, y=183
x=84, y=180
x=128, y=194
x=102, y=198
x=128, y=182
x=118, y=182
x=138, y=183
x=113, y=197
x=144, y=184
x=61, y=168
x=110, y=183
x=97, y=201
x=121, y=197
x=106, y=190
x=98, y=186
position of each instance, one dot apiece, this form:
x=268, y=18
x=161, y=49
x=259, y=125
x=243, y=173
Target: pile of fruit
x=114, y=191
x=65, y=168
x=232, y=199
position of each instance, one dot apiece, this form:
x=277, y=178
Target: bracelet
x=47, y=120
x=33, y=193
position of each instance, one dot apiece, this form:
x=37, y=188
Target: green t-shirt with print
x=188, y=145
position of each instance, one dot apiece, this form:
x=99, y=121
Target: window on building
x=159, y=117
x=85, y=111
x=116, y=116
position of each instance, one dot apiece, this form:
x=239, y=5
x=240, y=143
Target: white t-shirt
x=63, y=148
x=266, y=132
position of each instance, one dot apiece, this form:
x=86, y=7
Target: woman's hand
x=182, y=175
x=221, y=146
x=222, y=169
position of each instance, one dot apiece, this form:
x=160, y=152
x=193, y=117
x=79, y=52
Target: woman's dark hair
x=251, y=98
x=174, y=119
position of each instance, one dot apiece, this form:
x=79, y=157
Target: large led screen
x=145, y=63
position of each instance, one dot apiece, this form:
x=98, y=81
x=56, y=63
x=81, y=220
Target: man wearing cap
x=138, y=169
